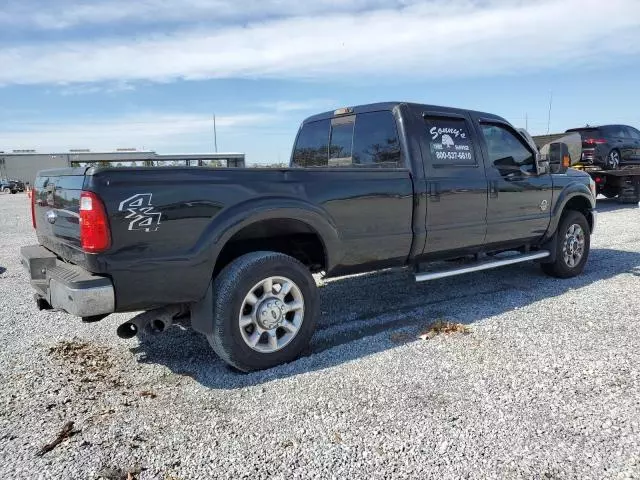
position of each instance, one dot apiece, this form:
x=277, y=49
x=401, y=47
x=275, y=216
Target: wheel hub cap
x=271, y=313
x=573, y=248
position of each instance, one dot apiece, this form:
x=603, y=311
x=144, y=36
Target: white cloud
x=64, y=14
x=95, y=89
x=285, y=106
x=155, y=131
x=436, y=39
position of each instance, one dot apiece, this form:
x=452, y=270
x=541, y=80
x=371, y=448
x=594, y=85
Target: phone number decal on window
x=453, y=155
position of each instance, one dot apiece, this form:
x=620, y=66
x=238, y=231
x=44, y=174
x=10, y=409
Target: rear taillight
x=94, y=224
x=594, y=141
x=32, y=197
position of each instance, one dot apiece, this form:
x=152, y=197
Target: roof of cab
x=376, y=107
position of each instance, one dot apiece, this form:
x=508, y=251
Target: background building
x=25, y=164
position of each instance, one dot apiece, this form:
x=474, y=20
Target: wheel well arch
x=292, y=237
x=580, y=204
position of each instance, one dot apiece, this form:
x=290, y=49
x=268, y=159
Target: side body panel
x=168, y=226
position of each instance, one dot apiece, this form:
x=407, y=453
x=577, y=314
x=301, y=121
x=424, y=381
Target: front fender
x=569, y=194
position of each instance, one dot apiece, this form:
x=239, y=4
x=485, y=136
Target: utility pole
x=526, y=122
x=549, y=117
x=215, y=133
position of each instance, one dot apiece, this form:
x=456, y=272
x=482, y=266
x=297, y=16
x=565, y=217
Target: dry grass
x=82, y=357
x=90, y=365
x=443, y=327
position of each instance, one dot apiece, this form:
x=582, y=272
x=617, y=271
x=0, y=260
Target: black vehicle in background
x=612, y=162
x=11, y=186
x=609, y=146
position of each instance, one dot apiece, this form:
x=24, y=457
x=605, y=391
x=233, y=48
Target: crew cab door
x=519, y=198
x=456, y=184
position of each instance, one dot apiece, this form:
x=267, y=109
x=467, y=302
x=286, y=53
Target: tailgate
x=56, y=208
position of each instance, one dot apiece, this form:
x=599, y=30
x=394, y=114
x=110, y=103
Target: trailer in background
x=623, y=183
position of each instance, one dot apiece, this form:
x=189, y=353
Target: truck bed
x=171, y=217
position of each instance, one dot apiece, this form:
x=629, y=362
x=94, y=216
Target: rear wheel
x=6, y=190
x=609, y=192
x=613, y=160
x=265, y=306
x=573, y=244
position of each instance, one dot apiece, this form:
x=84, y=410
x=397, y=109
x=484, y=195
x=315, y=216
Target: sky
x=151, y=74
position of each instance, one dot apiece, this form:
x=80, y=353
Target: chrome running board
x=484, y=265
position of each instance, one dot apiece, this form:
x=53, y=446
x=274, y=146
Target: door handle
x=433, y=191
x=493, y=189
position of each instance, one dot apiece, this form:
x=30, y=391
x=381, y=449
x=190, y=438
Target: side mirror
x=543, y=164
x=558, y=157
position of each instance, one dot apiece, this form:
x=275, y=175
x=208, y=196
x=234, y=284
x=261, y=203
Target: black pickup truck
x=231, y=252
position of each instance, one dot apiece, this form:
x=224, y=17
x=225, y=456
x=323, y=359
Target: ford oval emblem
x=51, y=216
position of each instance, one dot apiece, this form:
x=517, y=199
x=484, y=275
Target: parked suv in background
x=610, y=146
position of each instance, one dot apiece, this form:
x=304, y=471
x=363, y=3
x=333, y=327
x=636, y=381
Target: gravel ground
x=545, y=385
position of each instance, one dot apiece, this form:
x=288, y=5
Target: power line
x=215, y=134
x=549, y=116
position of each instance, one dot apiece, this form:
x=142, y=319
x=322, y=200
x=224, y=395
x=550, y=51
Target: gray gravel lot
x=546, y=385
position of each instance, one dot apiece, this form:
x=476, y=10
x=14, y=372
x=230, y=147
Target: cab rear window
x=362, y=140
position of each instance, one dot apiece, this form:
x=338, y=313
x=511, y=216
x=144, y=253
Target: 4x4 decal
x=140, y=212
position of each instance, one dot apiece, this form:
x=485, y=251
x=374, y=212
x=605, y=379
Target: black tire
x=13, y=192
x=6, y=190
x=609, y=192
x=629, y=195
x=613, y=160
x=229, y=290
x=560, y=268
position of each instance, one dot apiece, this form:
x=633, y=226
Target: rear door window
x=628, y=132
x=615, y=131
x=449, y=142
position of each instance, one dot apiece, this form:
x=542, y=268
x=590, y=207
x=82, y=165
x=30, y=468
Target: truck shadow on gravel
x=367, y=314
x=611, y=205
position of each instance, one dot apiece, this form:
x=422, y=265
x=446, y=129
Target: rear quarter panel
x=168, y=225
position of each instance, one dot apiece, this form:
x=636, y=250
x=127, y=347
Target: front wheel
x=265, y=306
x=573, y=239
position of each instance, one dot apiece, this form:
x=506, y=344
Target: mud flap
x=202, y=313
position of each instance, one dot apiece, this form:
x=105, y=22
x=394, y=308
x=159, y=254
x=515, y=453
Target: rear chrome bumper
x=67, y=287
